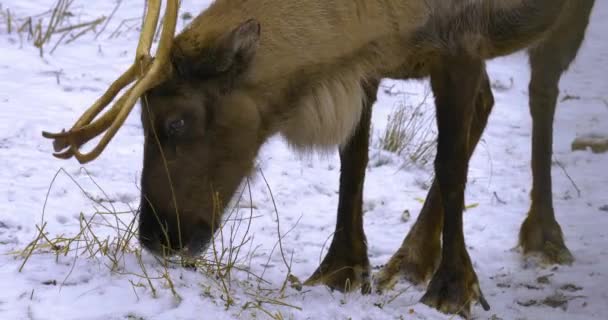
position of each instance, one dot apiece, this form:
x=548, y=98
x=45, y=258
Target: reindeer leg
x=540, y=232
x=420, y=252
x=455, y=80
x=346, y=265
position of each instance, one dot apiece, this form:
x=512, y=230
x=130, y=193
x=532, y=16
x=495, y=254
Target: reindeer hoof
x=409, y=263
x=544, y=238
x=454, y=290
x=416, y=260
x=342, y=275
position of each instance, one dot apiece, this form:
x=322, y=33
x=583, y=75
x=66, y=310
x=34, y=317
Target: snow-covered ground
x=48, y=93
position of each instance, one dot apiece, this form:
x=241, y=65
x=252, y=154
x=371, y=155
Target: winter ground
x=48, y=93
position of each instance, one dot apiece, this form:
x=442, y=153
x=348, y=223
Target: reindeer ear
x=229, y=55
x=236, y=50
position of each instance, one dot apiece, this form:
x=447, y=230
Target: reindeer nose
x=157, y=232
x=150, y=241
x=161, y=241
x=200, y=238
x=160, y=233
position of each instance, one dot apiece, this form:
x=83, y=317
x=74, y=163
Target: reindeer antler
x=152, y=72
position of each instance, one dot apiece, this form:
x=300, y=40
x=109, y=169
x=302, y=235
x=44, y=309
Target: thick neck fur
x=312, y=58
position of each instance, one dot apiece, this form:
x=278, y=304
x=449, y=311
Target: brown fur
x=245, y=70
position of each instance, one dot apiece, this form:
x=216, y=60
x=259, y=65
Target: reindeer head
x=201, y=127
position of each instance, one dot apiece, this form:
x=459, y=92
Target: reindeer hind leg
x=540, y=232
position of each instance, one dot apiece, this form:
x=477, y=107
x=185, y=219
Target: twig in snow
x=105, y=25
x=578, y=191
x=499, y=199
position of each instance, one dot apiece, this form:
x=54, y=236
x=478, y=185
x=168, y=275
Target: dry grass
x=107, y=237
x=410, y=131
x=53, y=27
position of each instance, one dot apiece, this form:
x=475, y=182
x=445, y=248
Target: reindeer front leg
x=420, y=253
x=346, y=265
x=455, y=80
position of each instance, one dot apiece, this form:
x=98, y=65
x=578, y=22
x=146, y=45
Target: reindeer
x=244, y=71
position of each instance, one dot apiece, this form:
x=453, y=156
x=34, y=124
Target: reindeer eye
x=176, y=127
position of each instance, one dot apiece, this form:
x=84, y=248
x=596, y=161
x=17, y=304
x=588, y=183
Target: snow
x=49, y=93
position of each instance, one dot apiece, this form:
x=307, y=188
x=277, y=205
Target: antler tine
x=73, y=136
x=167, y=33
x=151, y=77
x=148, y=30
x=83, y=130
x=61, y=139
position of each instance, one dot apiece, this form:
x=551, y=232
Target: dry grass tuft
x=410, y=131
x=53, y=27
